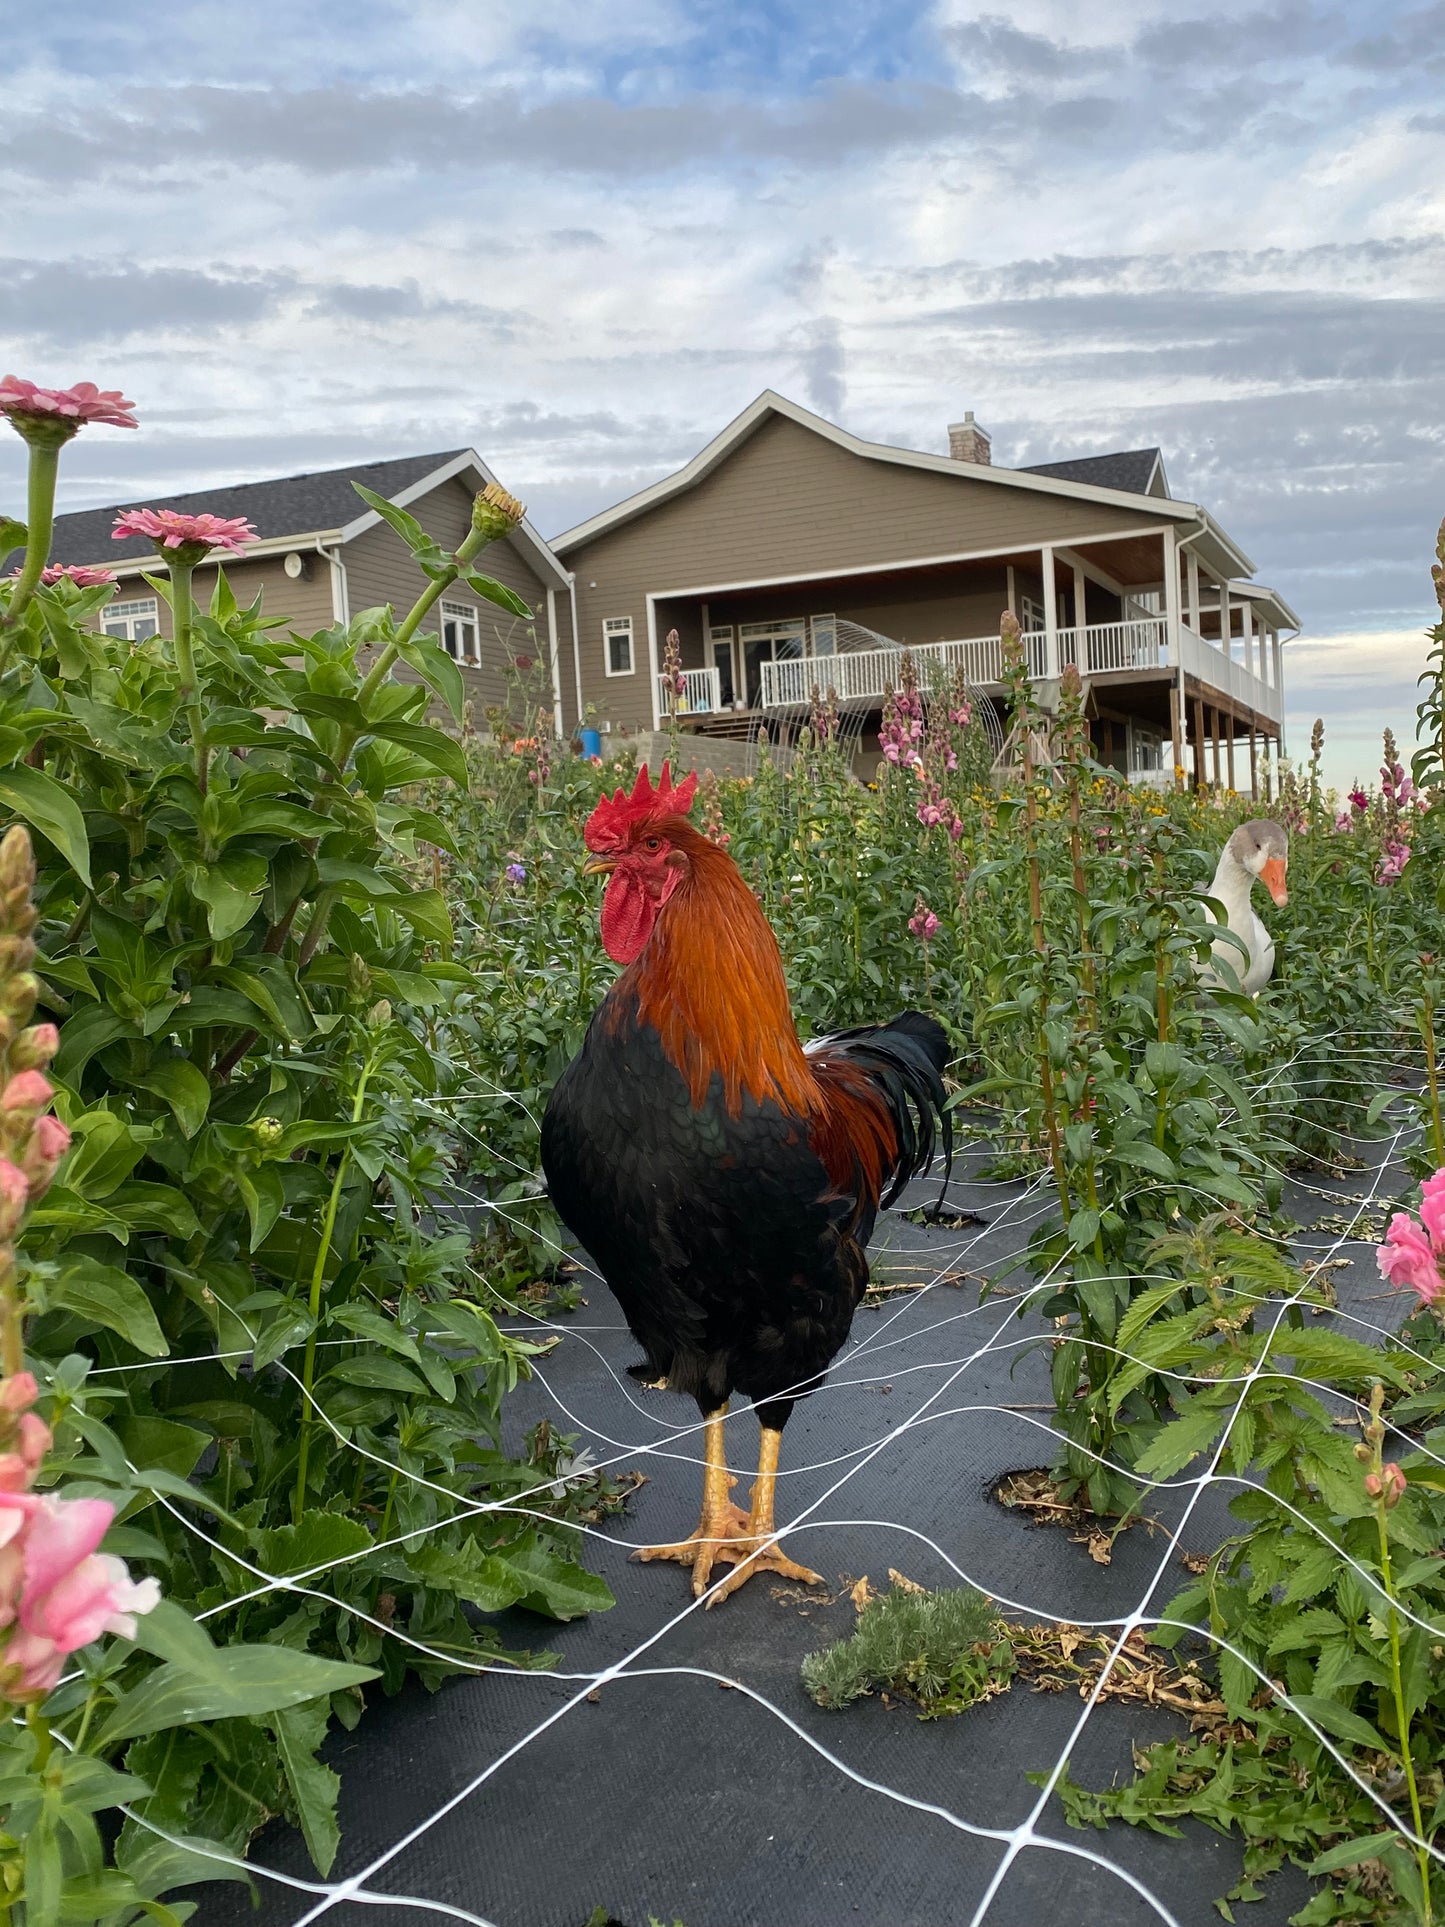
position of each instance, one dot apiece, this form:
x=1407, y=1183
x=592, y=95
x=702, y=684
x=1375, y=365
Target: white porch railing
x=864, y=675
x=701, y=692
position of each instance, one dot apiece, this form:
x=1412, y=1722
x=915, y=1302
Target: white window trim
x=130, y=611
x=617, y=626
x=470, y=616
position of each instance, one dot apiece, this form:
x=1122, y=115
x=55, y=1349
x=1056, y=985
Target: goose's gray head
x=1262, y=848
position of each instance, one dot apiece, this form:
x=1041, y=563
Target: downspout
x=552, y=650
x=576, y=644
x=340, y=610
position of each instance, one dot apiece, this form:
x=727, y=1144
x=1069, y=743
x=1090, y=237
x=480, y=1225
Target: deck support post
x=1253, y=766
x=1229, y=745
x=1199, y=777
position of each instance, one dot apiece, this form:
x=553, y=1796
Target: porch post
x=1246, y=617
x=1080, y=620
x=1226, y=621
x=1192, y=560
x=1171, y=594
x=652, y=661
x=1051, y=613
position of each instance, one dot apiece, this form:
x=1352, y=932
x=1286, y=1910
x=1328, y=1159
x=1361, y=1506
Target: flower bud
x=1388, y=1484
x=34, y=1439
x=35, y=1047
x=14, y=1196
x=17, y=1394
x=266, y=1131
x=26, y=1091
x=1363, y=1453
x=495, y=513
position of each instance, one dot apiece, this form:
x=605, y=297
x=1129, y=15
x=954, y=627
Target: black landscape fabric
x=703, y=1786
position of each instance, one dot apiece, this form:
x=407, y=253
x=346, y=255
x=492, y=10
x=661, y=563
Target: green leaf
x=245, y=1681
x=154, y=1442
x=441, y=751
x=1349, y=1853
x=1173, y=1448
x=1338, y=1721
x=184, y=1088
x=491, y=590
x=406, y=526
x=318, y=1539
x=556, y=1586
x=110, y=1297
x=40, y=801
x=13, y=535
x=299, y=1731
x=437, y=670
x=1146, y=1157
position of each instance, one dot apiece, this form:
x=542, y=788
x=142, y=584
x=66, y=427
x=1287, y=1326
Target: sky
x=582, y=238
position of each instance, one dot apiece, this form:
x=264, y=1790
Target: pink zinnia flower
x=169, y=529
x=1408, y=1258
x=73, y=407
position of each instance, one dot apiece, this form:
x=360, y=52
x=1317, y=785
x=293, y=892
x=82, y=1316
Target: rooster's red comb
x=614, y=816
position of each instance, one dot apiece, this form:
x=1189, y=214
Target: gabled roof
x=293, y=509
x=1039, y=481
x=1137, y=471
x=291, y=505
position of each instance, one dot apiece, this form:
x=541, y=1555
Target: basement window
x=134, y=620
x=617, y=645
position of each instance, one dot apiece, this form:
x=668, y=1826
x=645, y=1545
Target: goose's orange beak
x=1271, y=875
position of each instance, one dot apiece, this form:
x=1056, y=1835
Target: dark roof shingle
x=1130, y=470
x=294, y=505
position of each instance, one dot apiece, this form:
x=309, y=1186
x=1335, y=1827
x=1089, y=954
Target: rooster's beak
x=599, y=866
x=1271, y=875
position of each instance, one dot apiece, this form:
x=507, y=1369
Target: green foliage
x=946, y=1650
x=254, y=1333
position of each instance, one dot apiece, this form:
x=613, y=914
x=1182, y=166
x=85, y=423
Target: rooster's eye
x=652, y=843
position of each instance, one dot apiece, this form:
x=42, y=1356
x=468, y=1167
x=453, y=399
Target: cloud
x=822, y=362
x=70, y=301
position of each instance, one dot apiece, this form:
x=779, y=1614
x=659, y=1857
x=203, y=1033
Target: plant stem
x=40, y=523
x=1432, y=1074
x=182, y=567
x=1402, y=1716
x=328, y=1230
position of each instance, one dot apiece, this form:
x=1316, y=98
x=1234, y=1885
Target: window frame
x=130, y=610
x=614, y=627
x=467, y=616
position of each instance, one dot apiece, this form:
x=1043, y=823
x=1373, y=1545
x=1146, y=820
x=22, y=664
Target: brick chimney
x=967, y=442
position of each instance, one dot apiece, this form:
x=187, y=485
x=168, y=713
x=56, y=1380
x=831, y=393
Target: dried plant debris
x=899, y=1273
x=1035, y=1492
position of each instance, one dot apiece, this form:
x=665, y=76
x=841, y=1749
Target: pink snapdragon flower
x=1414, y=1254
x=26, y=1091
x=1393, y=858
x=1344, y=819
x=1387, y=1484
x=169, y=529
x=57, y=1591
x=923, y=923
x=1358, y=800
x=67, y=409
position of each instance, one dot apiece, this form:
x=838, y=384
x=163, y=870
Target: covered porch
x=1163, y=634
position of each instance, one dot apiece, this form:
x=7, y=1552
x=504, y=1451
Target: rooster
x=724, y=1177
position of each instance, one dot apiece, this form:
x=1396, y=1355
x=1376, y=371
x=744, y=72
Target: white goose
x=1259, y=849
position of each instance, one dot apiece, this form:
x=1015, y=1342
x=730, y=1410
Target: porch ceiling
x=765, y=597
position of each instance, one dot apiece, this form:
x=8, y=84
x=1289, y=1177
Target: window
x=1031, y=615
x=825, y=635
x=617, y=645
x=133, y=620
x=461, y=632
x=720, y=638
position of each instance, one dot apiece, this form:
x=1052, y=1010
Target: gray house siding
x=790, y=502
x=379, y=569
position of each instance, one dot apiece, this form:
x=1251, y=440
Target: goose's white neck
x=1232, y=882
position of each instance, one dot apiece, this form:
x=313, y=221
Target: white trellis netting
x=881, y=1352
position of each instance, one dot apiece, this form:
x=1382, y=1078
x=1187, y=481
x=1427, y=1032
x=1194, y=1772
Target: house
x=790, y=555
x=323, y=555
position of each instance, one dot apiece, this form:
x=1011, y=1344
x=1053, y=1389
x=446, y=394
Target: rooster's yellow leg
x=752, y=1549
x=722, y=1523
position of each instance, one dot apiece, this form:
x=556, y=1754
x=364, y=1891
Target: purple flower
x=516, y=873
